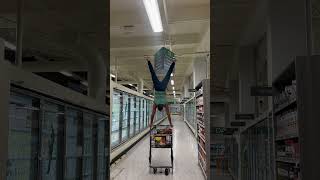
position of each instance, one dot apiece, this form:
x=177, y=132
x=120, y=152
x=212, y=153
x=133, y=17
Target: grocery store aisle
x=135, y=165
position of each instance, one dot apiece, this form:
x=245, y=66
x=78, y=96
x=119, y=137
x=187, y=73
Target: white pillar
x=140, y=85
x=97, y=80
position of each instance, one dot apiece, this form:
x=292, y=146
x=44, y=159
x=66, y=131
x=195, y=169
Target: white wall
x=286, y=33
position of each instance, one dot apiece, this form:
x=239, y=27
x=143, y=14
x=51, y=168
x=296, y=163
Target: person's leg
x=168, y=114
x=154, y=109
x=166, y=79
x=154, y=77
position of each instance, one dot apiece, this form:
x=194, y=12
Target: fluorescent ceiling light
x=172, y=82
x=66, y=73
x=174, y=92
x=153, y=12
x=112, y=75
x=173, y=88
x=130, y=84
x=171, y=74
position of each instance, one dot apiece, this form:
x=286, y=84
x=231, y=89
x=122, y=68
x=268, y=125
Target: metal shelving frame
x=204, y=85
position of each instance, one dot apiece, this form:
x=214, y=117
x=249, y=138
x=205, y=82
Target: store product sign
x=218, y=130
x=261, y=91
x=244, y=116
x=222, y=130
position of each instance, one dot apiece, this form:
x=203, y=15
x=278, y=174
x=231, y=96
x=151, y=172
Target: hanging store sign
x=261, y=91
x=244, y=116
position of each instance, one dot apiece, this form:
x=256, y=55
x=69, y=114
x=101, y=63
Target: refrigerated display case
x=87, y=155
x=142, y=115
x=137, y=115
x=125, y=117
x=50, y=161
x=73, y=146
x=52, y=139
x=22, y=138
x=132, y=115
x=115, y=123
x=190, y=112
x=102, y=149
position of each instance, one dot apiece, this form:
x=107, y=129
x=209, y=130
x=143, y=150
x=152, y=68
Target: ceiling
x=132, y=37
x=53, y=29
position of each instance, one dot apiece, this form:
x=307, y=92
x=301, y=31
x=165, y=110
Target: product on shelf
x=287, y=123
x=288, y=95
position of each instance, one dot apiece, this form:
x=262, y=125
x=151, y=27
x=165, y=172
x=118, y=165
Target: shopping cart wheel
x=166, y=171
x=154, y=170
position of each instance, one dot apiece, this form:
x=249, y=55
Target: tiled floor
x=135, y=165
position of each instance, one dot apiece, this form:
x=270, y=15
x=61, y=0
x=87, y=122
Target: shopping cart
x=161, y=137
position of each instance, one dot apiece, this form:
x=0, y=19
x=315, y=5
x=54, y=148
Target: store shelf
x=204, y=172
x=286, y=106
x=202, y=148
x=290, y=136
x=288, y=160
x=203, y=121
x=202, y=138
x=200, y=124
x=199, y=95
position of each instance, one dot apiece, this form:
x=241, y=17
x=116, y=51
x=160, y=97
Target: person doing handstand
x=160, y=87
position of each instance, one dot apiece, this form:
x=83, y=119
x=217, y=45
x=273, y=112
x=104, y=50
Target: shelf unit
x=286, y=127
x=202, y=101
x=190, y=115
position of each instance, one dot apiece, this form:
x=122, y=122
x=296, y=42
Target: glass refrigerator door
x=147, y=113
x=23, y=139
x=73, y=147
x=142, y=115
x=132, y=115
x=125, y=116
x=137, y=110
x=115, y=124
x=87, y=165
x=102, y=149
x=53, y=114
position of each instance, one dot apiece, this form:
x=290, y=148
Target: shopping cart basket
x=161, y=137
